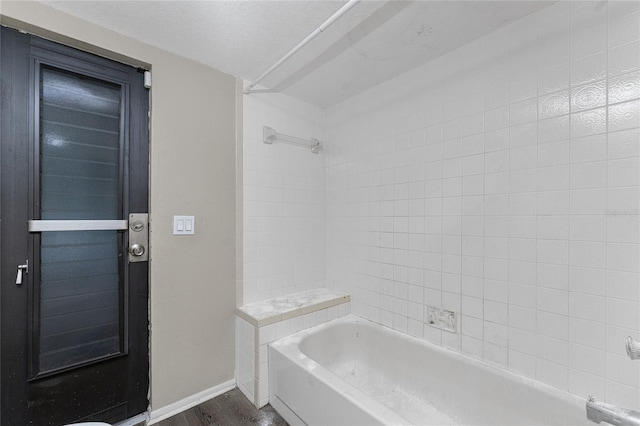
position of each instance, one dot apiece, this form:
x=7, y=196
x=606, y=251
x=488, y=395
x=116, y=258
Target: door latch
x=22, y=269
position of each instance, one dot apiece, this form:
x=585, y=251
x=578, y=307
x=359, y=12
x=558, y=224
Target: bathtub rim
x=289, y=347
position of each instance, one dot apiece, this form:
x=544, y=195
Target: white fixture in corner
x=147, y=79
x=184, y=225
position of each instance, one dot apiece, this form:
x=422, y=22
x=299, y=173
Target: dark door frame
x=16, y=115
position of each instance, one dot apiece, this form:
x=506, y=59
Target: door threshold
x=140, y=419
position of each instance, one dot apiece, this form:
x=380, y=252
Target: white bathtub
x=354, y=372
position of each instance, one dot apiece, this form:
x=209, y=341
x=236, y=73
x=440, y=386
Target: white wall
x=500, y=181
x=283, y=199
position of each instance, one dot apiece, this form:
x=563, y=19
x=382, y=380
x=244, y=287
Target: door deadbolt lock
x=136, y=250
x=137, y=225
x=138, y=237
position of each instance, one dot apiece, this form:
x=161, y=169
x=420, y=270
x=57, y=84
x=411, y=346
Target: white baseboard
x=191, y=401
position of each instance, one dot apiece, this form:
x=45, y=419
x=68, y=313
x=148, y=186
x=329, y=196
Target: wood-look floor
x=229, y=409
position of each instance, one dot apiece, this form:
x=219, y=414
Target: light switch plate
x=184, y=225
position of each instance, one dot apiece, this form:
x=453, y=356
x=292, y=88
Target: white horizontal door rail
x=77, y=225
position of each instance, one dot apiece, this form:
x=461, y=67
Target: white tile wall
x=283, y=200
x=245, y=357
x=501, y=181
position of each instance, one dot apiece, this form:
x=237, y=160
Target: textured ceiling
x=375, y=41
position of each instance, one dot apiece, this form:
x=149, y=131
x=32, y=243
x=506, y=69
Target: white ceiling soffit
x=375, y=41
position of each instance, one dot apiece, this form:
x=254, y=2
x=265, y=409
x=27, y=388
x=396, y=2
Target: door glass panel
x=80, y=271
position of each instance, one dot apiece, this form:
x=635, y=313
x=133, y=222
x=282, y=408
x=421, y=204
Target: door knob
x=633, y=348
x=136, y=250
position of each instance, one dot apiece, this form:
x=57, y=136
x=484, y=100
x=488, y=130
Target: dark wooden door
x=74, y=164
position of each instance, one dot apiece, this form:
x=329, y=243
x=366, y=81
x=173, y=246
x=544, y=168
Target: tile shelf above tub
x=262, y=323
x=271, y=311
